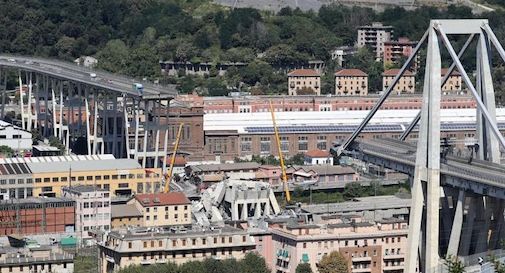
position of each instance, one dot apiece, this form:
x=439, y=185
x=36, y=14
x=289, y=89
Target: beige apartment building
x=123, y=248
x=351, y=82
x=454, y=83
x=304, y=82
x=406, y=84
x=163, y=209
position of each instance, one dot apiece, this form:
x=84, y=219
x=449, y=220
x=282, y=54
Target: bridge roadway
x=72, y=72
x=481, y=177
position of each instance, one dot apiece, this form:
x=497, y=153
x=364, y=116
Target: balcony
x=393, y=256
x=362, y=259
x=362, y=270
x=392, y=268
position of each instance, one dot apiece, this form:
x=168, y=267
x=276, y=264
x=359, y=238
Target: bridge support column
x=497, y=231
x=427, y=167
x=457, y=224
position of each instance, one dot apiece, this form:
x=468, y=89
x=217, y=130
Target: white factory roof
x=240, y=121
x=45, y=164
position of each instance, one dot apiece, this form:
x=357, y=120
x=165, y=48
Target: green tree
x=113, y=57
x=303, y=268
x=333, y=263
x=353, y=190
x=454, y=265
x=252, y=263
x=6, y=151
x=55, y=142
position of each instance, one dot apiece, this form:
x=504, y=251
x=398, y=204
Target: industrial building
x=45, y=176
x=142, y=246
x=252, y=134
x=37, y=215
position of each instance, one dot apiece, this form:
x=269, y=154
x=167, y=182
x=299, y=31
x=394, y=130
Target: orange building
x=304, y=82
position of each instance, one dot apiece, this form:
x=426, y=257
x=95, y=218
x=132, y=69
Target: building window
x=321, y=142
x=284, y=144
x=129, y=244
x=303, y=143
x=265, y=144
x=245, y=144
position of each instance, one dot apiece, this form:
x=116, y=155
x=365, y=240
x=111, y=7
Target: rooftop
x=160, y=233
x=317, y=153
x=360, y=204
x=394, y=72
x=444, y=71
x=226, y=167
x=304, y=73
x=83, y=188
x=338, y=121
x=35, y=200
x=45, y=164
x=162, y=199
x=324, y=170
x=124, y=210
x=351, y=72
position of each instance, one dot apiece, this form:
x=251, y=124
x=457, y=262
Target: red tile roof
x=455, y=72
x=304, y=73
x=352, y=72
x=317, y=153
x=394, y=72
x=179, y=161
x=162, y=199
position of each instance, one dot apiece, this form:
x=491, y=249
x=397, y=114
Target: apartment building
x=454, y=82
x=45, y=176
x=37, y=259
x=126, y=215
x=37, y=215
x=341, y=54
x=15, y=137
x=374, y=36
x=144, y=247
x=163, y=209
x=394, y=51
x=92, y=208
x=368, y=246
x=406, y=84
x=304, y=82
x=351, y=82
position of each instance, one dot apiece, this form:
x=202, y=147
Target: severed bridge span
x=457, y=203
x=108, y=113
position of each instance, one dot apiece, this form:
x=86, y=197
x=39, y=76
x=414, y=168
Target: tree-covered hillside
x=132, y=36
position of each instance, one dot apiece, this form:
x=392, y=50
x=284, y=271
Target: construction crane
x=168, y=175
x=281, y=157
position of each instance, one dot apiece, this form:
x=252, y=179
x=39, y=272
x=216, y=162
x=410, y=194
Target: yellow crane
x=168, y=175
x=281, y=157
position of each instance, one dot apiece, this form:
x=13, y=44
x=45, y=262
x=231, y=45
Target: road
x=72, y=72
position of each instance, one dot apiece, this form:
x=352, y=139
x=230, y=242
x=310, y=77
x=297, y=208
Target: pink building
x=395, y=50
x=254, y=104
x=372, y=247
x=92, y=208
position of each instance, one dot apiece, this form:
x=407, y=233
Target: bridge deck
x=72, y=72
x=404, y=153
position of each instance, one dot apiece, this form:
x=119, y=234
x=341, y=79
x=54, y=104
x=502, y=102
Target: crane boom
x=281, y=157
x=168, y=175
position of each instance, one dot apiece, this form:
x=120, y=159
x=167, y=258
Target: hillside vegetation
x=132, y=36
